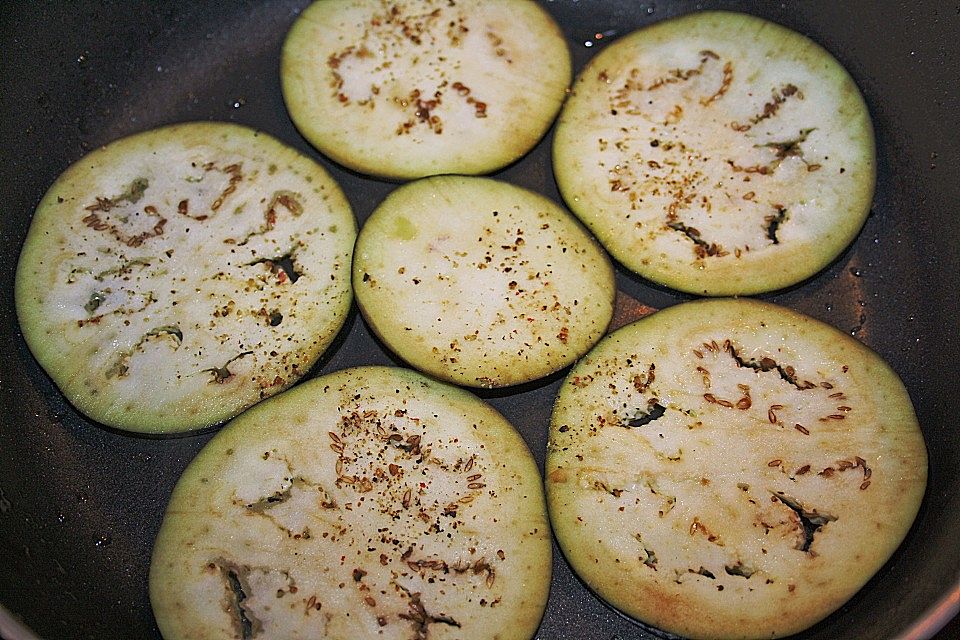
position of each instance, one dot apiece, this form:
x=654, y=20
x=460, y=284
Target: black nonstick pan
x=80, y=504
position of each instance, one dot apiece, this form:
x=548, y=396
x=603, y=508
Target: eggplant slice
x=717, y=154
x=175, y=277
x=480, y=282
x=410, y=89
x=371, y=502
x=732, y=469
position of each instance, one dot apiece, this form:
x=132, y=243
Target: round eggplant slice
x=732, y=469
x=371, y=502
x=717, y=154
x=409, y=89
x=480, y=282
x=175, y=277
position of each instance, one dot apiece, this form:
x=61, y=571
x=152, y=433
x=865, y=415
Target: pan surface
x=80, y=504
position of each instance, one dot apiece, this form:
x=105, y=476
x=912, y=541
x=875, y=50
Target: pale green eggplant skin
x=725, y=456
x=175, y=277
x=414, y=88
x=717, y=154
x=368, y=502
x=480, y=282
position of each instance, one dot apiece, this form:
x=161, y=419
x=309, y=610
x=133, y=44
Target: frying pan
x=80, y=504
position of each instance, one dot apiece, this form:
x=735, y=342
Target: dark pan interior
x=80, y=504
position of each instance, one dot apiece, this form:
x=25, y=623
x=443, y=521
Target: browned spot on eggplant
x=478, y=567
x=121, y=366
x=706, y=573
x=222, y=374
x=811, y=520
x=787, y=372
x=701, y=247
x=237, y=590
x=789, y=148
x=772, y=224
x=649, y=557
x=724, y=85
x=282, y=266
x=643, y=418
x=96, y=299
x=697, y=527
x=770, y=109
x=600, y=485
x=285, y=199
x=642, y=382
x=421, y=619
x=133, y=194
x=739, y=569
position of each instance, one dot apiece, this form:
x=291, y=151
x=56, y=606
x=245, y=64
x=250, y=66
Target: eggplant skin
x=481, y=283
x=736, y=459
x=173, y=278
x=369, y=502
x=414, y=88
x=717, y=154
